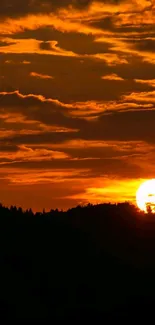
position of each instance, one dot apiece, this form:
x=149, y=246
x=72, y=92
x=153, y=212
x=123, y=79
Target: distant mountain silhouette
x=89, y=264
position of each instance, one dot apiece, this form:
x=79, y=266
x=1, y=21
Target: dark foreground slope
x=90, y=264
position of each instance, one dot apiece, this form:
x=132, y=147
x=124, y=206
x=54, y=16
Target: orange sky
x=77, y=101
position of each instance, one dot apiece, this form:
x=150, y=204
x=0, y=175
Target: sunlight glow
x=145, y=195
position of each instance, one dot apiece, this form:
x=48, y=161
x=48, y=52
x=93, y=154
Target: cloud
x=68, y=20
x=13, y=9
x=25, y=62
x=20, y=62
x=141, y=97
x=150, y=82
x=43, y=177
x=113, y=77
x=8, y=62
x=75, y=115
x=127, y=48
x=25, y=153
x=40, y=76
x=104, y=146
x=33, y=46
x=70, y=116
x=111, y=59
x=110, y=190
x=93, y=127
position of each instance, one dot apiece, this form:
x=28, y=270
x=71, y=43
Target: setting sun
x=145, y=195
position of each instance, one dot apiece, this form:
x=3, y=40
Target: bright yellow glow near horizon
x=146, y=195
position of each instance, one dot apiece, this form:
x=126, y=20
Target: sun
x=145, y=195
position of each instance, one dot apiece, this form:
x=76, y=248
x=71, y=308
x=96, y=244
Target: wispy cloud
x=40, y=75
x=141, y=97
x=112, y=76
x=17, y=62
x=150, y=82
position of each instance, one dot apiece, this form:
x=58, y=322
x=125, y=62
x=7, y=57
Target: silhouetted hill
x=92, y=263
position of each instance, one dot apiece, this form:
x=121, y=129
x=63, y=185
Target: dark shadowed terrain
x=89, y=264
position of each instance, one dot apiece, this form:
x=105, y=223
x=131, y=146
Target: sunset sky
x=77, y=101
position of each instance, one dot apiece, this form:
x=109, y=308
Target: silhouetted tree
x=89, y=263
x=148, y=208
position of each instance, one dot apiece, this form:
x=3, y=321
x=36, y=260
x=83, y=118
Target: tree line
x=90, y=263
